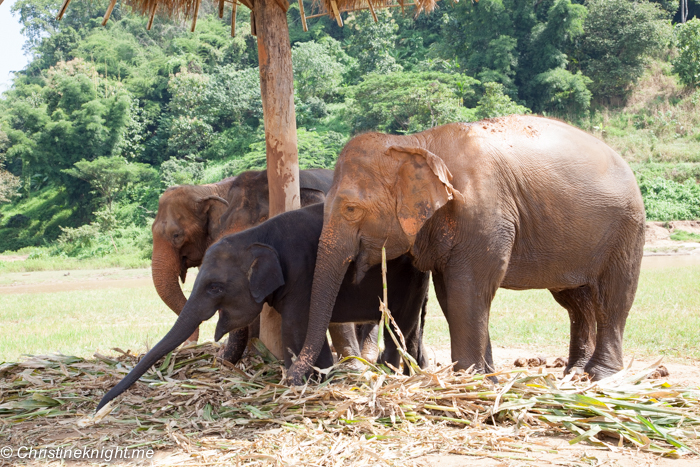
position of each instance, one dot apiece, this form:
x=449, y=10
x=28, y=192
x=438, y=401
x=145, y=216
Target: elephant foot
x=597, y=371
x=354, y=364
x=576, y=370
x=371, y=355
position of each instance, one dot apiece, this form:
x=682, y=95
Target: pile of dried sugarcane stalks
x=244, y=414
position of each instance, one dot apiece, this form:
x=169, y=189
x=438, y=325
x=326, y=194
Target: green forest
x=103, y=119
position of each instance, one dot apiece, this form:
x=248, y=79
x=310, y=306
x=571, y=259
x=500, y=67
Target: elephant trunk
x=332, y=263
x=166, y=269
x=185, y=325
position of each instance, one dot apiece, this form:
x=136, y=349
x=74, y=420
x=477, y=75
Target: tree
x=371, y=43
x=9, y=184
x=318, y=68
x=619, y=39
x=110, y=175
x=404, y=102
x=524, y=46
x=687, y=63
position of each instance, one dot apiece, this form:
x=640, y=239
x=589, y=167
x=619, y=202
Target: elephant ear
x=205, y=202
x=422, y=187
x=265, y=272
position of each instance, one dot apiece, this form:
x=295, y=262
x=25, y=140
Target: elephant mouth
x=183, y=268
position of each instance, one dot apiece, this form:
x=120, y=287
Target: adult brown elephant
x=519, y=202
x=189, y=220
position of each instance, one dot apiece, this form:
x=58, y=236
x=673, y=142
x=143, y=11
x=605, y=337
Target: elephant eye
x=215, y=288
x=352, y=212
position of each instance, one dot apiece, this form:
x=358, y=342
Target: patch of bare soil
x=80, y=279
x=11, y=258
x=658, y=238
x=686, y=373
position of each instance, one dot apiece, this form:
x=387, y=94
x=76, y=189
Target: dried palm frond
x=189, y=402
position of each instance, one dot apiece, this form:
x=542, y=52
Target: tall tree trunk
x=277, y=90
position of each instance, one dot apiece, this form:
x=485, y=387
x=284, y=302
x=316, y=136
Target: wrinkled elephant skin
x=518, y=202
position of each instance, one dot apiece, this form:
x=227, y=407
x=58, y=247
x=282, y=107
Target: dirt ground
x=658, y=241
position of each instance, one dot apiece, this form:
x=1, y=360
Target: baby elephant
x=274, y=263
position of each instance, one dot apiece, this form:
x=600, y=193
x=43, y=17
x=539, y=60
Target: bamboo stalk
x=253, y=29
x=62, y=11
x=233, y=19
x=371, y=10
x=284, y=4
x=153, y=14
x=303, y=16
x=194, y=17
x=109, y=12
x=336, y=13
x=221, y=8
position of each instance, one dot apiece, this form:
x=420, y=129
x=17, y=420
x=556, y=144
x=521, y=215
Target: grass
x=663, y=320
x=61, y=263
x=82, y=322
x=684, y=236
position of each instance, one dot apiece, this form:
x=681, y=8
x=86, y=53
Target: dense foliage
x=103, y=119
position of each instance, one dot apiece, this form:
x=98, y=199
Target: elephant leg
x=344, y=339
x=293, y=335
x=616, y=288
x=368, y=335
x=415, y=343
x=412, y=329
x=235, y=346
x=193, y=338
x=465, y=297
x=579, y=302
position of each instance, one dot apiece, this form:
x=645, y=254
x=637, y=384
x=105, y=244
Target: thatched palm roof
x=190, y=8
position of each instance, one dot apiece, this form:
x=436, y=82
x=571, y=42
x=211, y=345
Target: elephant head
x=181, y=236
x=385, y=189
x=233, y=279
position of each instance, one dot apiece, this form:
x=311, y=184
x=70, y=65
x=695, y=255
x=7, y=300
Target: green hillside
x=103, y=119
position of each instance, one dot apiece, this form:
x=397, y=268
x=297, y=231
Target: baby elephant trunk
x=185, y=325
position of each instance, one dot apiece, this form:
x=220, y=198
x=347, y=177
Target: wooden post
x=277, y=91
x=153, y=14
x=303, y=16
x=221, y=8
x=336, y=13
x=233, y=18
x=196, y=12
x=109, y=12
x=371, y=10
x=62, y=11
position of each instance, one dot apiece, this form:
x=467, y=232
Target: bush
x=494, y=103
x=187, y=171
x=687, y=63
x=666, y=200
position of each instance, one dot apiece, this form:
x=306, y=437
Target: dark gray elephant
x=518, y=202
